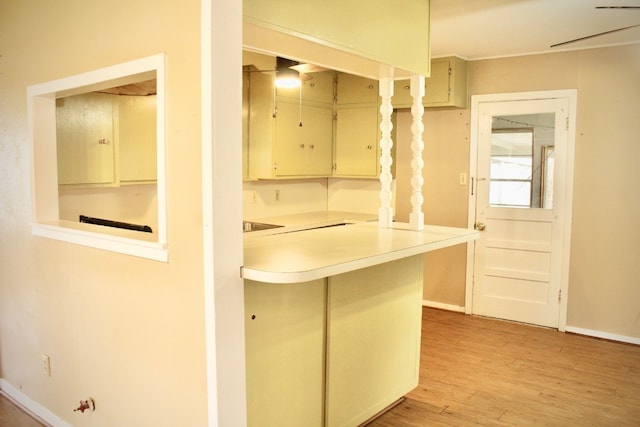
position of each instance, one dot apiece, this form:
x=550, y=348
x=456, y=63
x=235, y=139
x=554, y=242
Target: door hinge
x=559, y=295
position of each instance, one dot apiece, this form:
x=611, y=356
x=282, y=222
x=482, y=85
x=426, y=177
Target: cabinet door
x=436, y=87
x=137, y=138
x=303, y=150
x=245, y=124
x=315, y=87
x=356, y=90
x=357, y=139
x=85, y=139
x=285, y=354
x=373, y=336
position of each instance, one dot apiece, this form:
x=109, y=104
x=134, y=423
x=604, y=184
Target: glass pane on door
x=521, y=164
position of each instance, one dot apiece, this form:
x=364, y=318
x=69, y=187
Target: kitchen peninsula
x=333, y=316
x=333, y=306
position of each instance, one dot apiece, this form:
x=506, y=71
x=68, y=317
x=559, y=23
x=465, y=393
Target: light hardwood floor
x=12, y=416
x=479, y=371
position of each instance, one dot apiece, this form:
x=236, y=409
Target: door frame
x=476, y=100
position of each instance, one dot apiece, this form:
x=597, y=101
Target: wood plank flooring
x=479, y=371
x=12, y=416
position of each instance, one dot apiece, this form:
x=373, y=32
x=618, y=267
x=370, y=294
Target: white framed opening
x=62, y=114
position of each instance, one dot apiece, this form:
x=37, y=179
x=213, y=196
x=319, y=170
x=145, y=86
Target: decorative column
x=416, y=217
x=385, y=212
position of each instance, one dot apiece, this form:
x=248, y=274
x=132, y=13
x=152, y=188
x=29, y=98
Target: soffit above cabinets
x=389, y=40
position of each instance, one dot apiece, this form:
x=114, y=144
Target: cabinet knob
x=369, y=147
x=312, y=146
x=103, y=141
x=301, y=145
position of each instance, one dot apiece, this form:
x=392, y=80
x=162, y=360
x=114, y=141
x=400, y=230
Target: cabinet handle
x=312, y=146
x=369, y=147
x=370, y=86
x=301, y=145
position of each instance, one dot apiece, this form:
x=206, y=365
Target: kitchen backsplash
x=263, y=199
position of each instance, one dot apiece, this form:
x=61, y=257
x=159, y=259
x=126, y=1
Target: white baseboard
x=572, y=329
x=30, y=406
x=443, y=306
x=604, y=335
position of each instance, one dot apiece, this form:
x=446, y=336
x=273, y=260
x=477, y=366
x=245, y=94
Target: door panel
x=522, y=235
x=522, y=147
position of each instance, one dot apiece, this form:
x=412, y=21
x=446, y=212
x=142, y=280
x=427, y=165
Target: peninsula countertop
x=310, y=247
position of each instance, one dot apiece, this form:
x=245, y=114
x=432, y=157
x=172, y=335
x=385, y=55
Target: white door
x=521, y=201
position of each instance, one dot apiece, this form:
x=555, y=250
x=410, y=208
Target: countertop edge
x=352, y=265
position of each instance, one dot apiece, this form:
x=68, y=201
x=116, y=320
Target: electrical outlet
x=463, y=178
x=277, y=195
x=46, y=364
x=254, y=197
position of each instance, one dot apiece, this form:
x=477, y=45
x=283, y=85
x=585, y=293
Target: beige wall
x=446, y=155
x=126, y=331
x=604, y=294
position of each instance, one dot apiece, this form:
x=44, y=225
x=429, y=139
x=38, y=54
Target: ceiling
x=478, y=29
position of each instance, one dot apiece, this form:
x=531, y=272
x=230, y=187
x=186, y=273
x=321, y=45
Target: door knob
x=480, y=226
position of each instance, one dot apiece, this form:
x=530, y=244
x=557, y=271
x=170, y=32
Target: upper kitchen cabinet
x=314, y=87
x=357, y=127
x=245, y=123
x=290, y=131
x=447, y=86
x=354, y=36
x=104, y=139
x=137, y=135
x=85, y=139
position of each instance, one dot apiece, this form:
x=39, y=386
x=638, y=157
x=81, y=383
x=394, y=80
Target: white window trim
x=44, y=187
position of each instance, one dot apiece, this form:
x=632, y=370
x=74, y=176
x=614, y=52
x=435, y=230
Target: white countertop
x=297, y=253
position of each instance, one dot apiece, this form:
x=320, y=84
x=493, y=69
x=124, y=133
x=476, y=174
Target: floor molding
x=443, y=306
x=30, y=406
x=603, y=335
x=571, y=329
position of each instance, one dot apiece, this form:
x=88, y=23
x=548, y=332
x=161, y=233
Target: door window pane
x=521, y=168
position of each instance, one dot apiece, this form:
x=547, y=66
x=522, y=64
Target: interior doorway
x=521, y=171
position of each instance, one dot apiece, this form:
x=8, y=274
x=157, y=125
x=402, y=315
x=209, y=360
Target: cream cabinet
x=315, y=87
x=137, y=139
x=356, y=90
x=285, y=353
x=373, y=333
x=303, y=137
x=357, y=138
x=290, y=131
x=333, y=351
x=85, y=139
x=330, y=127
x=446, y=87
x=357, y=141
x=245, y=124
x=106, y=140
